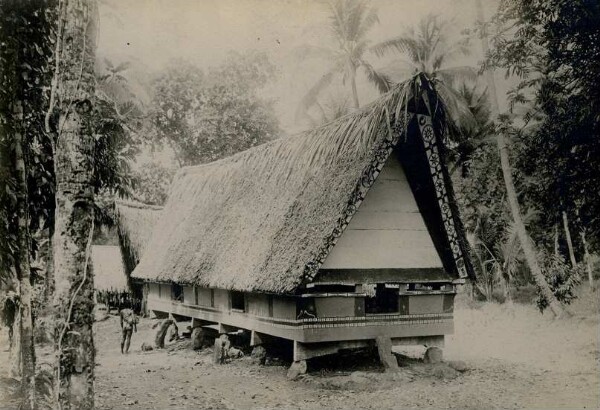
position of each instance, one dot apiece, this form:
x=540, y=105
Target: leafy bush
x=562, y=279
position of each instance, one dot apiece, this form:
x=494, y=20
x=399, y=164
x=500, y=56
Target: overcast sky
x=150, y=33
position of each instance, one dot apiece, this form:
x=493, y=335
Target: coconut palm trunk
x=587, y=259
x=74, y=165
x=511, y=194
x=568, y=236
x=23, y=268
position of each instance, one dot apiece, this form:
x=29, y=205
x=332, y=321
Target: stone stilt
x=384, y=348
x=296, y=369
x=221, y=349
x=433, y=355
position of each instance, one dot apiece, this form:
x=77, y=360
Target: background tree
x=152, y=182
x=24, y=29
x=545, y=45
x=349, y=24
x=428, y=50
x=205, y=117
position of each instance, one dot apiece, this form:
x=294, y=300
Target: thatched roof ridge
x=135, y=222
x=264, y=219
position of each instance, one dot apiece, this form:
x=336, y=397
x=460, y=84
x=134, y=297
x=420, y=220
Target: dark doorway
x=384, y=301
x=177, y=292
x=238, y=301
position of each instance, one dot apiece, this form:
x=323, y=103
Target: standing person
x=128, y=326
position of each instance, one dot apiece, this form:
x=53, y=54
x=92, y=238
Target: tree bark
x=49, y=288
x=15, y=355
x=586, y=257
x=556, y=240
x=23, y=268
x=526, y=243
x=74, y=218
x=569, y=241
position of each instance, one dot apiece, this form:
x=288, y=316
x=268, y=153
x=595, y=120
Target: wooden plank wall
x=222, y=299
x=165, y=291
x=387, y=231
x=284, y=308
x=258, y=304
x=188, y=295
x=204, y=296
x=335, y=307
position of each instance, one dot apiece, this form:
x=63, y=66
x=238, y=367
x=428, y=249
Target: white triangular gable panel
x=387, y=230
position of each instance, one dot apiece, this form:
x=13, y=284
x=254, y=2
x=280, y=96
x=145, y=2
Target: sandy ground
x=515, y=358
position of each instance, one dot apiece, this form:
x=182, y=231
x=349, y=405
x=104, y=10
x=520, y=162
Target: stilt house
x=331, y=238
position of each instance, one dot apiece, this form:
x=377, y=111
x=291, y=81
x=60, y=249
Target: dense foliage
x=24, y=53
x=553, y=47
x=203, y=117
x=152, y=183
x=551, y=50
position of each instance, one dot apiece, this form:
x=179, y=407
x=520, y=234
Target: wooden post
x=255, y=338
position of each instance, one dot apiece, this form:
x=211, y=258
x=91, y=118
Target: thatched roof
x=135, y=222
x=108, y=268
x=266, y=218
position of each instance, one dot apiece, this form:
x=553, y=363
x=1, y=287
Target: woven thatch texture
x=108, y=268
x=135, y=223
x=254, y=220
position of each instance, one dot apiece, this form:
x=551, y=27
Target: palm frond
x=401, y=44
x=456, y=107
x=305, y=51
x=121, y=67
x=380, y=80
x=462, y=73
x=311, y=96
x=369, y=20
x=337, y=19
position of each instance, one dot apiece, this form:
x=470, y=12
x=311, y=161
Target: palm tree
x=334, y=107
x=428, y=51
x=497, y=251
x=470, y=138
x=527, y=244
x=350, y=22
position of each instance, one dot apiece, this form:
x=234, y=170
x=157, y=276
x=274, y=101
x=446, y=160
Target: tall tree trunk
x=556, y=240
x=15, y=356
x=74, y=165
x=526, y=242
x=49, y=279
x=23, y=268
x=568, y=236
x=586, y=256
x=354, y=91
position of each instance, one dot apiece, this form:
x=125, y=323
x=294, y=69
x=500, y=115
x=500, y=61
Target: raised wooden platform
x=316, y=330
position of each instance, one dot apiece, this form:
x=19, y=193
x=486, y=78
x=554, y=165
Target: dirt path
x=515, y=358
